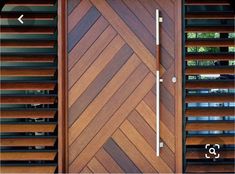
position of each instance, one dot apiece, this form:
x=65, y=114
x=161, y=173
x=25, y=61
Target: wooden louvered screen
x=29, y=87
x=209, y=85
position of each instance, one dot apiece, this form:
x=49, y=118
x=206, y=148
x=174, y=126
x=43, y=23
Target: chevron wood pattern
x=111, y=87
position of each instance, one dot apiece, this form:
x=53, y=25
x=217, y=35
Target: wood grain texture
x=27, y=169
x=210, y=126
x=111, y=79
x=108, y=162
x=207, y=2
x=25, y=142
x=209, y=43
x=27, y=44
x=209, y=70
x=227, y=140
x=27, y=86
x=22, y=156
x=27, y=127
x=209, y=85
x=27, y=72
x=27, y=100
x=25, y=58
x=133, y=153
x=209, y=98
x=209, y=56
x=220, y=168
x=228, y=154
x=27, y=114
x=210, y=15
x=196, y=112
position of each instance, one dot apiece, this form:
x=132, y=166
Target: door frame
x=178, y=87
x=62, y=87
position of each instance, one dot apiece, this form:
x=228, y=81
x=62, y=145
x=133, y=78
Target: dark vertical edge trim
x=178, y=87
x=62, y=87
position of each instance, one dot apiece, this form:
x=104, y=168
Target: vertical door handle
x=158, y=80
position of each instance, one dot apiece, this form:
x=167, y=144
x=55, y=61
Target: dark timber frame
x=62, y=86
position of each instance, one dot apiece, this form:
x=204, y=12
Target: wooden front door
x=111, y=86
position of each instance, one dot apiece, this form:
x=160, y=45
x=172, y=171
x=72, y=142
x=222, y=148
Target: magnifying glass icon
x=212, y=151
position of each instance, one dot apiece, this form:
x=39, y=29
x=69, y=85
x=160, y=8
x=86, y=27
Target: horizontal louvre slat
x=28, y=169
x=198, y=112
x=210, y=126
x=27, y=100
x=17, y=142
x=49, y=59
x=28, y=23
x=209, y=98
x=210, y=15
x=218, y=29
x=27, y=86
x=216, y=168
x=210, y=85
x=207, y=2
x=209, y=43
x=202, y=140
x=13, y=72
x=228, y=154
x=27, y=44
x=27, y=114
x=209, y=70
x=27, y=127
x=23, y=156
x=208, y=56
x=27, y=30
x=28, y=16
x=30, y=2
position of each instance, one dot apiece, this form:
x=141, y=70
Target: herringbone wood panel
x=112, y=86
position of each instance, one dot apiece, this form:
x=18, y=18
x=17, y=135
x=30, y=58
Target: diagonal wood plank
x=90, y=56
x=81, y=28
x=102, y=98
x=145, y=148
x=100, y=81
x=132, y=152
x=77, y=14
x=86, y=170
x=167, y=118
x=150, y=136
x=108, y=162
x=110, y=127
x=95, y=166
x=86, y=43
x=121, y=157
x=168, y=24
x=126, y=34
x=95, y=69
x=149, y=116
x=108, y=110
x=134, y=24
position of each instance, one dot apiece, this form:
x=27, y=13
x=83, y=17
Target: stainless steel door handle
x=158, y=80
